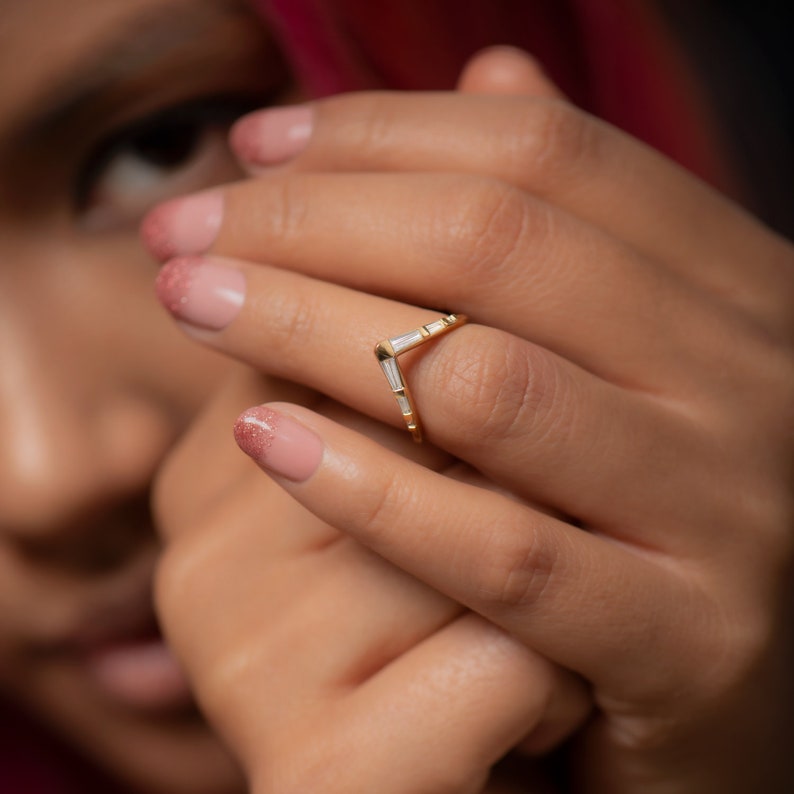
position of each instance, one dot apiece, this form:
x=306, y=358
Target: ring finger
x=545, y=428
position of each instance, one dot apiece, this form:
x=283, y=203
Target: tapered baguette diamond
x=405, y=406
x=392, y=372
x=438, y=325
x=405, y=341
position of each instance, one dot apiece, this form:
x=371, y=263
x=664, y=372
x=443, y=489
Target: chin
x=169, y=762
x=157, y=751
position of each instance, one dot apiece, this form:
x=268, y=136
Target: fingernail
x=200, y=292
x=269, y=137
x=278, y=443
x=183, y=226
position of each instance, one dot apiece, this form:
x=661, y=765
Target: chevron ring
x=387, y=352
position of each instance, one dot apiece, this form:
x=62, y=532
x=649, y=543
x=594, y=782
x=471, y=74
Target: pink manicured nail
x=269, y=137
x=200, y=292
x=278, y=443
x=183, y=226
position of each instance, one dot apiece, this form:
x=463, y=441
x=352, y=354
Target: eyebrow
x=132, y=44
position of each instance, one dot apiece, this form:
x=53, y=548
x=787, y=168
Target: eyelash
x=149, y=137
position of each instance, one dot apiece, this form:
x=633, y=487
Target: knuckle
x=739, y=650
x=293, y=319
x=288, y=211
x=187, y=584
x=642, y=734
x=219, y=677
x=481, y=225
x=558, y=137
x=517, y=568
x=731, y=635
x=503, y=386
x=363, y=123
x=379, y=509
x=279, y=215
x=183, y=575
x=172, y=582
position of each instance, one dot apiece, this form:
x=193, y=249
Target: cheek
x=87, y=316
x=127, y=340
x=94, y=372
x=176, y=753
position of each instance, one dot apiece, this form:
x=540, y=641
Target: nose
x=70, y=443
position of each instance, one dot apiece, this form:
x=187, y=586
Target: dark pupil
x=170, y=144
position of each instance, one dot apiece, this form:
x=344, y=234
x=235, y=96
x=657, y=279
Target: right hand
x=323, y=666
x=656, y=414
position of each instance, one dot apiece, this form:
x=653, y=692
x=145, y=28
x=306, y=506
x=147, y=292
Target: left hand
x=323, y=666
x=629, y=367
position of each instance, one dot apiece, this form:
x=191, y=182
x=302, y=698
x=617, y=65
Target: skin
x=100, y=393
x=97, y=385
x=649, y=398
x=257, y=591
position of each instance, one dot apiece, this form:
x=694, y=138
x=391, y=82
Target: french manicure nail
x=183, y=226
x=272, y=136
x=201, y=293
x=278, y=443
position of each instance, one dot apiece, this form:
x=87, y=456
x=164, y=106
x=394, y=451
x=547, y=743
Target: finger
x=582, y=601
x=446, y=711
x=557, y=153
x=436, y=719
x=297, y=630
x=289, y=595
x=262, y=596
x=545, y=428
x=505, y=70
x=185, y=488
x=485, y=249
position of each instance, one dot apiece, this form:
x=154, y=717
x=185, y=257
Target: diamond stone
x=405, y=341
x=405, y=406
x=392, y=372
x=438, y=325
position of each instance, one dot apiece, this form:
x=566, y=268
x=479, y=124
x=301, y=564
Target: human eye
x=171, y=151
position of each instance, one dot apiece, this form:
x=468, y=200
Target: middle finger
x=472, y=245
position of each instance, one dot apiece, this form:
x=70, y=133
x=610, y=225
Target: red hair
x=615, y=58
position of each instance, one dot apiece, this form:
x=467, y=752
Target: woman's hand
x=324, y=666
x=629, y=367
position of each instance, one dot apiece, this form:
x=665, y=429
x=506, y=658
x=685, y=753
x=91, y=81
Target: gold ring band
x=387, y=352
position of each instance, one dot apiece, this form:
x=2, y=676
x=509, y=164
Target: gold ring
x=387, y=352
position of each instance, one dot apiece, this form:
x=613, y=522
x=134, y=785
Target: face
x=106, y=109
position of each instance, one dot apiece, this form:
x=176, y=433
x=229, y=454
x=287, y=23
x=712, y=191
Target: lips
x=138, y=671
x=116, y=646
